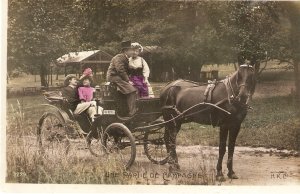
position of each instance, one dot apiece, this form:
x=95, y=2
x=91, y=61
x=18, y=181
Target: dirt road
x=254, y=166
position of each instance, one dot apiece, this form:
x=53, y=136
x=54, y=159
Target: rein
x=181, y=114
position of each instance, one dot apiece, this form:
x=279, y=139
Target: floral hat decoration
x=87, y=73
x=136, y=45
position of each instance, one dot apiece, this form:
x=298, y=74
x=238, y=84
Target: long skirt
x=81, y=107
x=90, y=107
x=140, y=85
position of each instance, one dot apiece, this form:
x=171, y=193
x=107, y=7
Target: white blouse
x=138, y=62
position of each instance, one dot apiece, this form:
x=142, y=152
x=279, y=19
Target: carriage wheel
x=119, y=143
x=94, y=142
x=52, y=135
x=154, y=145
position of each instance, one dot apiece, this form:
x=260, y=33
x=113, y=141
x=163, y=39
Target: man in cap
x=118, y=74
x=70, y=91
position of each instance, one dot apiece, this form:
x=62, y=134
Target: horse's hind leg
x=233, y=133
x=222, y=150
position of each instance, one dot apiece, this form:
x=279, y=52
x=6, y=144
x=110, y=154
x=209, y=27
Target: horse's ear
x=256, y=67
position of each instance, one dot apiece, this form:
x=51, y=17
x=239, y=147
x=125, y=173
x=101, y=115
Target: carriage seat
x=54, y=97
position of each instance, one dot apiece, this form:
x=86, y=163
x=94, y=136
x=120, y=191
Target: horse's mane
x=197, y=84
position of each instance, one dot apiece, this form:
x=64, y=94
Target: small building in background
x=76, y=62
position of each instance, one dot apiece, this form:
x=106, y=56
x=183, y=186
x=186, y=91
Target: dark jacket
x=118, y=67
x=118, y=73
x=71, y=94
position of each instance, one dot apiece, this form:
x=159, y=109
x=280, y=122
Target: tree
x=38, y=33
x=290, y=41
x=190, y=33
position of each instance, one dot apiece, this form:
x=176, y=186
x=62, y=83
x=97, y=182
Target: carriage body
x=113, y=128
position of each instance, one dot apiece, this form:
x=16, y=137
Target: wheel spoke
x=52, y=136
x=154, y=146
x=119, y=142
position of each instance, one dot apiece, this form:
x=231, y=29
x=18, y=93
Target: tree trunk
x=257, y=68
x=195, y=72
x=43, y=75
x=297, y=80
x=236, y=65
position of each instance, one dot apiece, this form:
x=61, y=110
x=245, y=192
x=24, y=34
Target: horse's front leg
x=222, y=150
x=171, y=133
x=233, y=133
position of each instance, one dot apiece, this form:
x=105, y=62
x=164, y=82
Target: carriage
x=113, y=133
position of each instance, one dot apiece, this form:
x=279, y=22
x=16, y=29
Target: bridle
x=228, y=81
x=243, y=84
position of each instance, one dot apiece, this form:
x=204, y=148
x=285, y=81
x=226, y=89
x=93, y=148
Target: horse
x=183, y=101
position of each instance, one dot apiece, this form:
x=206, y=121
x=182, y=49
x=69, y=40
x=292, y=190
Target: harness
x=209, y=89
x=229, y=89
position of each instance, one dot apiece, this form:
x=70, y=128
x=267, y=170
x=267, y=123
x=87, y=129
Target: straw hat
x=68, y=78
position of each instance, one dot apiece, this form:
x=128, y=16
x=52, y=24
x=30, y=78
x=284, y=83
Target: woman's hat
x=86, y=73
x=68, y=78
x=136, y=45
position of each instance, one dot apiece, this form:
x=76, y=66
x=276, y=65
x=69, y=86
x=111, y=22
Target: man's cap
x=68, y=78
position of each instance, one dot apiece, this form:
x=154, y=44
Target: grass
x=274, y=122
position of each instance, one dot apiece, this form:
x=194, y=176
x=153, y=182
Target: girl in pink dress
x=85, y=93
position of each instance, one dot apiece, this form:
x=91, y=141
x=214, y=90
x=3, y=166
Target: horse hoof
x=220, y=178
x=232, y=176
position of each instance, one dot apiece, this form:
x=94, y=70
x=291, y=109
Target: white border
x=72, y=188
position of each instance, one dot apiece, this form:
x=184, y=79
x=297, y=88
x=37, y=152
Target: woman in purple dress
x=139, y=71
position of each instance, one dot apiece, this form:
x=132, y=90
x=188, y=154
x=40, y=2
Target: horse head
x=245, y=83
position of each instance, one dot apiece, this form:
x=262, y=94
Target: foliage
x=190, y=33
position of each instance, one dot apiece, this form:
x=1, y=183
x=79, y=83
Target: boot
x=131, y=102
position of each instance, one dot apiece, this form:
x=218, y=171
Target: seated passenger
x=70, y=91
x=139, y=71
x=77, y=104
x=85, y=93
